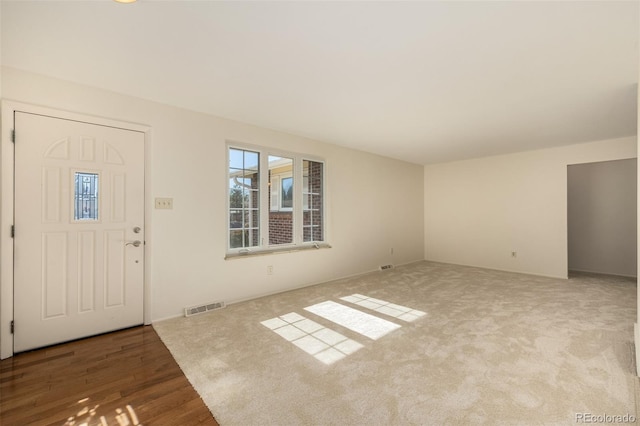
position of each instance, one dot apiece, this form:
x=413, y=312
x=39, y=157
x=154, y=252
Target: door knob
x=137, y=229
x=135, y=243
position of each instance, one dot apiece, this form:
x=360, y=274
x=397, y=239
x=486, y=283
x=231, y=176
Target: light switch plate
x=164, y=203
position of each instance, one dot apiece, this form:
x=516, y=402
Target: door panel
x=79, y=194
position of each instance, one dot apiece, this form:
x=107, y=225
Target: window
x=281, y=200
x=312, y=177
x=85, y=196
x=244, y=195
x=286, y=189
x=276, y=201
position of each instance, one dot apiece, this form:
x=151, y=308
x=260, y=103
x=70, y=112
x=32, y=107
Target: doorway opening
x=602, y=217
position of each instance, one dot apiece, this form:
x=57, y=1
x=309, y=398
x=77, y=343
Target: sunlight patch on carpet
x=324, y=344
x=353, y=319
x=384, y=307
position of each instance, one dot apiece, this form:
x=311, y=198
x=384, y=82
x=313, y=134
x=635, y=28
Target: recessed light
x=125, y=1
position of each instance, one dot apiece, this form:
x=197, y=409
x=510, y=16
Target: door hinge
x=13, y=231
x=13, y=327
x=13, y=136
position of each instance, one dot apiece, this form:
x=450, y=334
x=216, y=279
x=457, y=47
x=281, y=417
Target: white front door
x=79, y=215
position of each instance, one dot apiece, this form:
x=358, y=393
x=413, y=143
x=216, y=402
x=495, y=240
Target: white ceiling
x=421, y=81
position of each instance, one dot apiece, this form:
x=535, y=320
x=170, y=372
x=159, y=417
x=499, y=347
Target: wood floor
x=122, y=378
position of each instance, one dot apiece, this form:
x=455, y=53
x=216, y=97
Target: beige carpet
x=465, y=346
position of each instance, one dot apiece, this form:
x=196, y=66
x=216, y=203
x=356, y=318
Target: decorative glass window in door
x=86, y=196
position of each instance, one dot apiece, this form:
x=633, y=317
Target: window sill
x=288, y=249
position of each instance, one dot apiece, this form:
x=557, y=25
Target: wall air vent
x=201, y=309
x=383, y=267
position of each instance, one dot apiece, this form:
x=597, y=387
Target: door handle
x=135, y=243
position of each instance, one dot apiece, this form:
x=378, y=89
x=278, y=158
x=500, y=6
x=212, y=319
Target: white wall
x=602, y=216
x=374, y=203
x=477, y=212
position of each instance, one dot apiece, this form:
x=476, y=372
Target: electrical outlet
x=164, y=203
x=269, y=270
x=514, y=254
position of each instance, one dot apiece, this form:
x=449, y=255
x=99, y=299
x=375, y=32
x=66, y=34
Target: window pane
x=250, y=179
x=251, y=160
x=235, y=219
x=252, y=199
x=317, y=233
x=86, y=196
x=252, y=237
x=251, y=219
x=287, y=193
x=235, y=239
x=312, y=201
x=315, y=202
x=281, y=227
x=236, y=159
x=236, y=195
x=244, y=198
x=281, y=188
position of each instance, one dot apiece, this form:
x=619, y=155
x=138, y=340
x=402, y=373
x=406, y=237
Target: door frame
x=7, y=177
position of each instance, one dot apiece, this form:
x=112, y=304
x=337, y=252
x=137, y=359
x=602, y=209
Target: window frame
x=265, y=202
